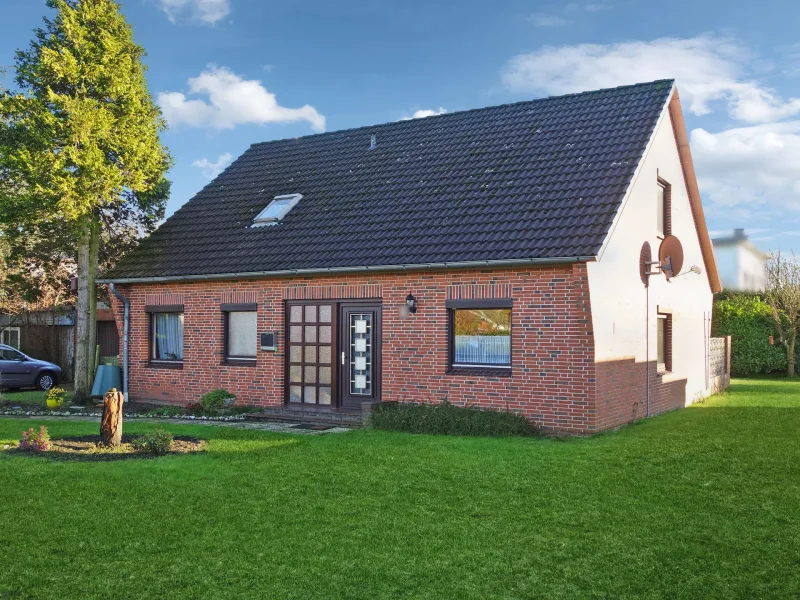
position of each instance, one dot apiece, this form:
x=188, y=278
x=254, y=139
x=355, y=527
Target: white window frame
x=8, y=343
x=261, y=220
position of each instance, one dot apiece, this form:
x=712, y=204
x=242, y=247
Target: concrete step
x=340, y=418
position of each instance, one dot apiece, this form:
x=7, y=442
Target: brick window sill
x=477, y=371
x=232, y=362
x=164, y=365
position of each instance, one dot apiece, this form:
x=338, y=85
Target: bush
x=215, y=400
x=447, y=419
x=748, y=320
x=57, y=394
x=34, y=441
x=156, y=442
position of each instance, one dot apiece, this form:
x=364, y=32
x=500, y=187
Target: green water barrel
x=107, y=377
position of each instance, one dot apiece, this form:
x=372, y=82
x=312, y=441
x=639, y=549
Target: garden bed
x=87, y=447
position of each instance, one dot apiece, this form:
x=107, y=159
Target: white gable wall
x=617, y=294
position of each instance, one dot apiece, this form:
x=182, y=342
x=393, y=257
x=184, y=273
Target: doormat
x=313, y=426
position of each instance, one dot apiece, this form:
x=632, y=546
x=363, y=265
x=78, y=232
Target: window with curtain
x=481, y=337
x=242, y=335
x=168, y=336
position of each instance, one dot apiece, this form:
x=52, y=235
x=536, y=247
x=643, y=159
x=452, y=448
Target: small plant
x=448, y=419
x=55, y=397
x=156, y=442
x=217, y=399
x=35, y=441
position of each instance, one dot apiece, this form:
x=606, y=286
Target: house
x=50, y=334
x=741, y=265
x=490, y=257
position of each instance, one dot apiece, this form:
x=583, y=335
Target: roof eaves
x=360, y=269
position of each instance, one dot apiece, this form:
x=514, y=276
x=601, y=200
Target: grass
x=24, y=397
x=699, y=503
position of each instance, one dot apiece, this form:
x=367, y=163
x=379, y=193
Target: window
x=241, y=335
x=10, y=337
x=480, y=334
x=6, y=354
x=663, y=208
x=277, y=209
x=664, y=342
x=167, y=341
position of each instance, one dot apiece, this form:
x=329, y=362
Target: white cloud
x=545, y=20
x=707, y=69
x=212, y=169
x=427, y=112
x=748, y=167
x=205, y=11
x=231, y=101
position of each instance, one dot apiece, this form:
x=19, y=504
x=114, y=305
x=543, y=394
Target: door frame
x=338, y=304
x=376, y=307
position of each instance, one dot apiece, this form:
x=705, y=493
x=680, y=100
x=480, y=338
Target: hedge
x=448, y=419
x=748, y=320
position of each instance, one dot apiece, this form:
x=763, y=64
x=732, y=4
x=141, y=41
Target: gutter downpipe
x=126, y=325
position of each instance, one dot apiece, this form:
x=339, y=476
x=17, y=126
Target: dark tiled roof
x=532, y=180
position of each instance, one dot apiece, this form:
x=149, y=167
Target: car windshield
x=8, y=354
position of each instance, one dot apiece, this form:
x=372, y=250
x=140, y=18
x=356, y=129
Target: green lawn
x=699, y=503
x=26, y=397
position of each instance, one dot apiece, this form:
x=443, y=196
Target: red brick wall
x=621, y=392
x=553, y=371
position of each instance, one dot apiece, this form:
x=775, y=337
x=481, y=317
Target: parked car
x=18, y=370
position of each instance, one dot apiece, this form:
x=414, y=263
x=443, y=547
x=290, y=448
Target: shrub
x=447, y=419
x=156, y=442
x=35, y=441
x=747, y=319
x=215, y=399
x=57, y=394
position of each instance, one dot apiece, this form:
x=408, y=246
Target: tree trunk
x=82, y=313
x=94, y=246
x=111, y=426
x=790, y=343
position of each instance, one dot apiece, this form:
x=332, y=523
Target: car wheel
x=45, y=381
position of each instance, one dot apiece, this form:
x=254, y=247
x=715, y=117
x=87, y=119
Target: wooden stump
x=111, y=425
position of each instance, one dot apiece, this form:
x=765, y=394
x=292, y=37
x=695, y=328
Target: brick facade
x=554, y=379
x=621, y=392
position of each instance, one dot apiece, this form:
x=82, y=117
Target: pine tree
x=81, y=132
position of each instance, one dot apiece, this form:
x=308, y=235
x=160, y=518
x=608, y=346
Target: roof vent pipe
x=373, y=142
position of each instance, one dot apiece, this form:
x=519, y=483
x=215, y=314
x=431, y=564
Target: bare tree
x=783, y=296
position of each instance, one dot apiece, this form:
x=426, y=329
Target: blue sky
x=229, y=73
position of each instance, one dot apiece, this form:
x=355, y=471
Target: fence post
x=727, y=360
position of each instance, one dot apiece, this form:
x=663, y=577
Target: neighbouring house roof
x=540, y=180
x=738, y=238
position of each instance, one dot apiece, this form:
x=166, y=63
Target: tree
x=783, y=296
x=81, y=135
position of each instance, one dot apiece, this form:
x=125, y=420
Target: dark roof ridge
x=671, y=82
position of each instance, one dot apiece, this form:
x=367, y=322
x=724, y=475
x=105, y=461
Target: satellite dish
x=645, y=260
x=670, y=254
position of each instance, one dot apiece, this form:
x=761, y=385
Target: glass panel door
x=360, y=353
x=360, y=363
x=310, y=354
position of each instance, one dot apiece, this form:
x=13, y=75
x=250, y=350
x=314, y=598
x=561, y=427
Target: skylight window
x=277, y=209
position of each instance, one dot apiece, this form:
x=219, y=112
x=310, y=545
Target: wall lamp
x=411, y=303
